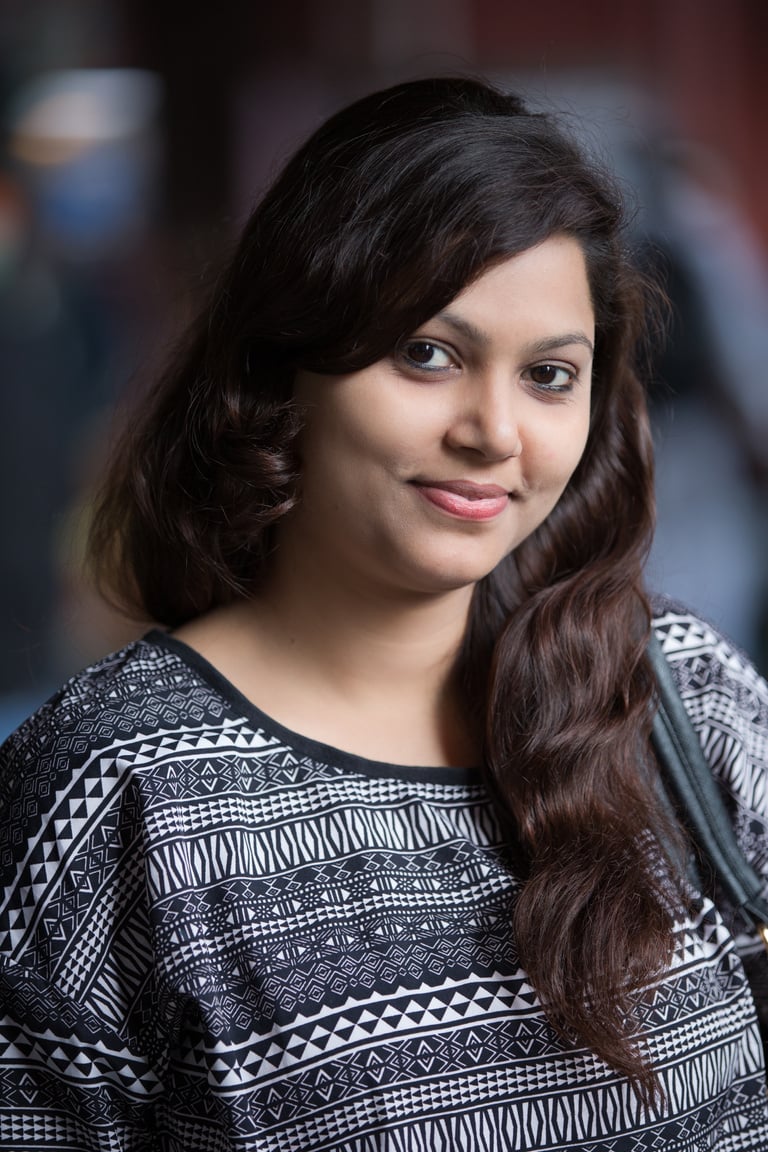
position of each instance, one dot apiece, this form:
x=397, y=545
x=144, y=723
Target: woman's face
x=422, y=471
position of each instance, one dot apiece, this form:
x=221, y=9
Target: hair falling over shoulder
x=568, y=715
x=383, y=216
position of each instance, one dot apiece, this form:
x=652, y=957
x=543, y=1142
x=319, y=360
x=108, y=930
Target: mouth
x=464, y=498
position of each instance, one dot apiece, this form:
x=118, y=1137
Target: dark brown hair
x=387, y=212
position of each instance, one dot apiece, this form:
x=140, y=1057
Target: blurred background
x=136, y=134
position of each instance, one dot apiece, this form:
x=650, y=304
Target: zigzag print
x=215, y=934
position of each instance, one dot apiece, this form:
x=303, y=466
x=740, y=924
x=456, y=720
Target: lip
x=465, y=499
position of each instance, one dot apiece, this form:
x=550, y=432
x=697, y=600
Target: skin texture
x=419, y=474
x=469, y=398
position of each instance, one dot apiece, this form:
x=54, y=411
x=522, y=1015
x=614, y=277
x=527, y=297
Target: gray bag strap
x=698, y=799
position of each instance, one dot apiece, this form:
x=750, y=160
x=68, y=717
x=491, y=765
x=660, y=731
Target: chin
x=452, y=578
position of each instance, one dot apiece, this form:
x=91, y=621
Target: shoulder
x=77, y=778
x=727, y=701
x=713, y=675
x=723, y=693
x=124, y=699
x=143, y=685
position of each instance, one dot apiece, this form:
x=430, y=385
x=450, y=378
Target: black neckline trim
x=305, y=746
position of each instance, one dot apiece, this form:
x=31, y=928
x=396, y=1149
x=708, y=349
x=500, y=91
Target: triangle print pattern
x=215, y=934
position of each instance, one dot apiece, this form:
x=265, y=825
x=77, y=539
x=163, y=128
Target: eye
x=552, y=378
x=425, y=355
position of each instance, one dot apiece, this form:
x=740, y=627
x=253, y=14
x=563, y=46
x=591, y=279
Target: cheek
x=559, y=455
x=341, y=461
x=578, y=446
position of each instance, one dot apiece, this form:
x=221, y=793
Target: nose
x=486, y=419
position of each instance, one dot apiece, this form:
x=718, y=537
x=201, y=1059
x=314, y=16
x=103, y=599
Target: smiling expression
x=422, y=471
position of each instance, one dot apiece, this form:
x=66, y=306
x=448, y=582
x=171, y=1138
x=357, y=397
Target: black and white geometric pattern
x=218, y=935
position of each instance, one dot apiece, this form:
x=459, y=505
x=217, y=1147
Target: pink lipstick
x=465, y=499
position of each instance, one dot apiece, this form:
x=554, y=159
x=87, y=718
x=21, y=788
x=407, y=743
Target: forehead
x=544, y=287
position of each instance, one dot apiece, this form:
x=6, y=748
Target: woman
x=367, y=851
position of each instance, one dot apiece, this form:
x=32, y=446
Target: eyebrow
x=537, y=348
x=551, y=344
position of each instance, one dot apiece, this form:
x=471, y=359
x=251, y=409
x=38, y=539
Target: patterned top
x=216, y=934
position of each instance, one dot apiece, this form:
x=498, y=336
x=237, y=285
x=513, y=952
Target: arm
x=81, y=1046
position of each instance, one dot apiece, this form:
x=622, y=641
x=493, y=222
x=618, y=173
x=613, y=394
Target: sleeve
x=81, y=1017
x=727, y=701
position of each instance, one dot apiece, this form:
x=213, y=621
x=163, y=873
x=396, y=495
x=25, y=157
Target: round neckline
x=306, y=746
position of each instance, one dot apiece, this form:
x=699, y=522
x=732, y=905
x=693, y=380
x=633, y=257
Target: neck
x=357, y=634
x=361, y=669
